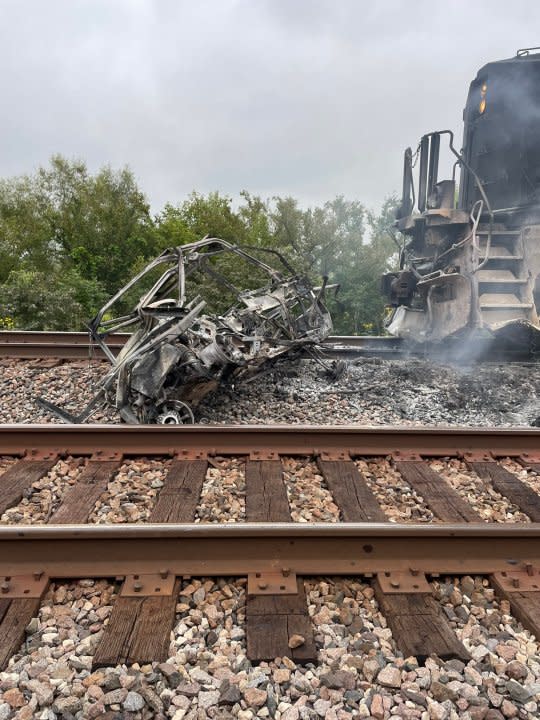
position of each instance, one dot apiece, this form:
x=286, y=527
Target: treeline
x=69, y=240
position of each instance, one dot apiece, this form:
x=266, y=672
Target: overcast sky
x=310, y=98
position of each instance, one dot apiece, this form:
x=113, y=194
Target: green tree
x=198, y=216
x=359, y=307
x=69, y=239
x=60, y=300
x=63, y=227
x=340, y=240
x=101, y=222
x=214, y=215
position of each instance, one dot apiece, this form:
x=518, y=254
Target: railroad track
x=30, y=345
x=150, y=559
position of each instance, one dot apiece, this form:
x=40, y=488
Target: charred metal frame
x=176, y=355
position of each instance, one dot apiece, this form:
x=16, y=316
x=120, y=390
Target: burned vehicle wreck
x=177, y=354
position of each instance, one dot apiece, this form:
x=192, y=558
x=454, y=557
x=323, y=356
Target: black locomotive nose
x=501, y=139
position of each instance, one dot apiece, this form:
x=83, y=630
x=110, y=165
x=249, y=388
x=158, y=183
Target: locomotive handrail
x=526, y=51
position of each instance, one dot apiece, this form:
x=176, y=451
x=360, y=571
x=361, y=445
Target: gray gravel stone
x=517, y=691
x=321, y=707
x=389, y=677
x=114, y=697
x=516, y=670
x=208, y=698
x=339, y=680
x=151, y=697
x=188, y=689
x=442, y=692
x=494, y=714
x=133, y=701
x=65, y=705
x=229, y=694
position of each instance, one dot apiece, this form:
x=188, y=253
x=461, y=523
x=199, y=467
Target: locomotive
x=470, y=259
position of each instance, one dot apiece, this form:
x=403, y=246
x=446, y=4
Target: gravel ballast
x=395, y=496
x=133, y=489
x=487, y=502
x=360, y=673
x=370, y=392
x=44, y=496
x=223, y=495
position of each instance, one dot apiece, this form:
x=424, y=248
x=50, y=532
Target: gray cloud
x=304, y=97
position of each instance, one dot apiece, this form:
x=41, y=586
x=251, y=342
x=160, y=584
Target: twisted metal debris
x=177, y=354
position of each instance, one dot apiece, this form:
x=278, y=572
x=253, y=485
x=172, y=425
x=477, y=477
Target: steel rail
x=243, y=548
x=260, y=440
x=47, y=337
x=39, y=337
x=60, y=351
x=31, y=345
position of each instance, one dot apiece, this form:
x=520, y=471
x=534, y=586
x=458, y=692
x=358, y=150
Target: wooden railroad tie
x=522, y=589
x=178, y=499
x=140, y=625
x=445, y=502
x=273, y=619
x=350, y=490
x=143, y=615
x=20, y=476
x=139, y=628
x=19, y=603
x=80, y=498
x=507, y=484
x=418, y=624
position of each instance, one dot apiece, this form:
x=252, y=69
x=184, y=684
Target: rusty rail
x=35, y=345
x=307, y=549
x=32, y=345
x=261, y=441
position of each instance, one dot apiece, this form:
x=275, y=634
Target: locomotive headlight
x=483, y=92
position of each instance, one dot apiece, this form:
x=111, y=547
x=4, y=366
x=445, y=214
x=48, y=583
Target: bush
x=35, y=300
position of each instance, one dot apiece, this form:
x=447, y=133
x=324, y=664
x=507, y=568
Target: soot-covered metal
x=179, y=352
x=470, y=262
